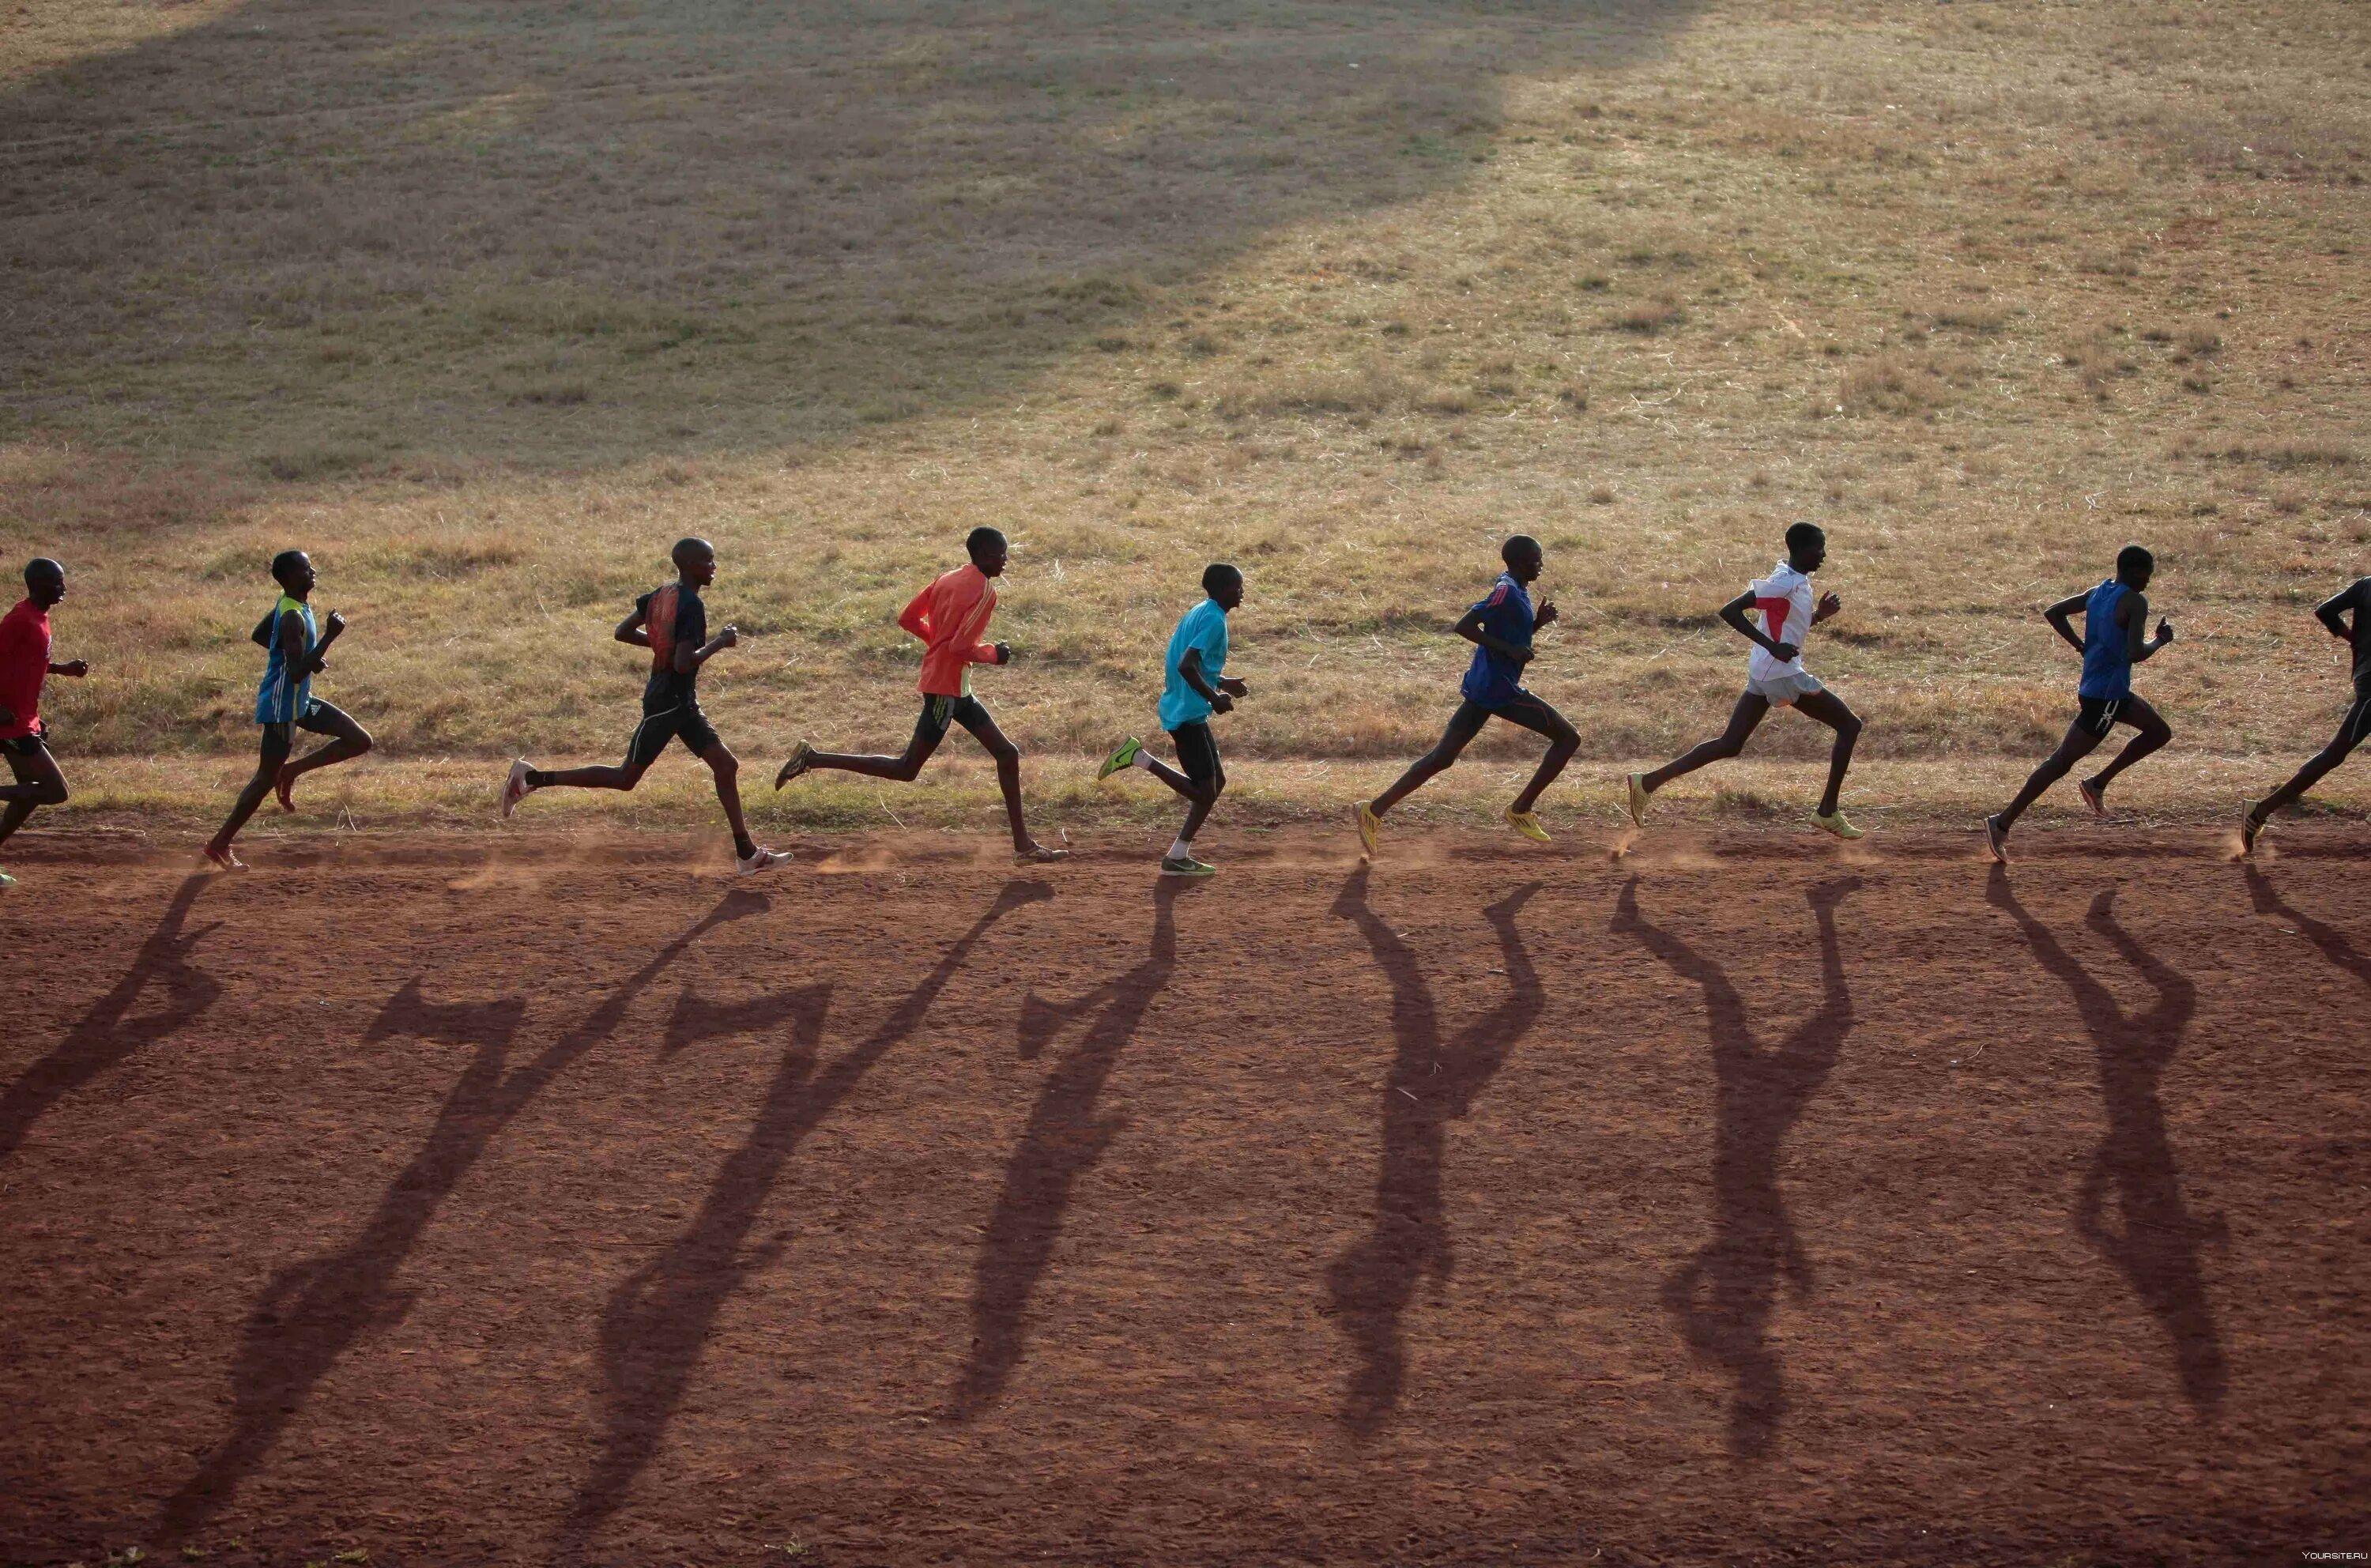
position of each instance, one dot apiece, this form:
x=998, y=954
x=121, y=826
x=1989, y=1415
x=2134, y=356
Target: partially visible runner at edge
x=2115, y=623
x=24, y=665
x=1774, y=677
x=1193, y=689
x=2256, y=815
x=672, y=622
x=951, y=618
x=296, y=650
x=1500, y=627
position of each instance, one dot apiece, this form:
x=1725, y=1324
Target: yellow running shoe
x=1123, y=756
x=1637, y=800
x=1369, y=825
x=1834, y=823
x=1527, y=823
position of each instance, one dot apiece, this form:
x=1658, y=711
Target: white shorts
x=1782, y=689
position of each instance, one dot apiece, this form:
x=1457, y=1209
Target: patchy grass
x=486, y=308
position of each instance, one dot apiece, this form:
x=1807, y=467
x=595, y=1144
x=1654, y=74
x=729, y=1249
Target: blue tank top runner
x=279, y=701
x=2107, y=647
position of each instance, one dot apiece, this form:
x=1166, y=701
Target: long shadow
x=312, y=1312
x=2155, y=1243
x=658, y=1320
x=1722, y=1297
x=524, y=232
x=2334, y=944
x=1064, y=1139
x=1433, y=1082
x=109, y=1034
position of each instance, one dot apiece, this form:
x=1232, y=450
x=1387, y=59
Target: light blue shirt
x=1205, y=627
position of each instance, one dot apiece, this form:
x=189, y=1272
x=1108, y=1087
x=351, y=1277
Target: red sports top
x=24, y=665
x=951, y=616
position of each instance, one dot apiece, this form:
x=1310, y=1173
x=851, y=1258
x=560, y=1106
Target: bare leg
x=243, y=808
x=39, y=783
x=1829, y=709
x=1199, y=798
x=1563, y=741
x=625, y=776
x=2350, y=736
x=1007, y=779
x=2154, y=732
x=1444, y=753
x=2079, y=743
x=727, y=768
x=904, y=767
x=349, y=740
x=1744, y=719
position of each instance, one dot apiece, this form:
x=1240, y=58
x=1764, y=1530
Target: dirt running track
x=1744, y=1199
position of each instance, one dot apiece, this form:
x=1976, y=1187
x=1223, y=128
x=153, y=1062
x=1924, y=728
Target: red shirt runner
x=24, y=665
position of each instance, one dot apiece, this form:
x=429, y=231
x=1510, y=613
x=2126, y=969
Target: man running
x=1501, y=629
x=24, y=665
x=951, y=616
x=672, y=622
x=2115, y=624
x=1774, y=677
x=2256, y=815
x=297, y=649
x=1193, y=691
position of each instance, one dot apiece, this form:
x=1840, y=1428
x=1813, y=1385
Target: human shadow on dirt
x=109, y=1034
x=1722, y=1298
x=1063, y=1140
x=312, y=1312
x=334, y=232
x=659, y=1319
x=1434, y=1080
x=2156, y=1245
x=2334, y=944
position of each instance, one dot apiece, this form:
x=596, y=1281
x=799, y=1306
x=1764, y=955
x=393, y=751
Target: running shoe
x=6, y=881
x=1996, y=837
x=1173, y=866
x=224, y=859
x=802, y=758
x=1123, y=756
x=1039, y=855
x=515, y=787
x=2250, y=826
x=2093, y=797
x=1834, y=823
x=1527, y=823
x=1637, y=782
x=1370, y=825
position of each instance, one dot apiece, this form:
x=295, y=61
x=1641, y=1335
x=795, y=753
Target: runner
x=297, y=649
x=24, y=665
x=1194, y=690
x=1501, y=629
x=2256, y=815
x=672, y=622
x=2115, y=620
x=1774, y=677
x=951, y=616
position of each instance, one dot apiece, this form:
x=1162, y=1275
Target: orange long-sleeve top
x=951, y=618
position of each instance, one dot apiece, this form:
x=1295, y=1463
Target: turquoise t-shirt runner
x=1203, y=626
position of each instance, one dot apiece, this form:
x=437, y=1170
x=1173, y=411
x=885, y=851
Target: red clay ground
x=1746, y=1199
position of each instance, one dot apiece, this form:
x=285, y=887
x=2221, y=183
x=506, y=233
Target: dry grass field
x=487, y=303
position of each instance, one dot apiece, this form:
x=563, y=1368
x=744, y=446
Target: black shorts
x=1197, y=753
x=33, y=744
x=2356, y=727
x=938, y=712
x=319, y=717
x=678, y=721
x=2099, y=714
x=1522, y=709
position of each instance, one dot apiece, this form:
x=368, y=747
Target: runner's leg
x=1008, y=771
x=2350, y=734
x=1744, y=719
x=1829, y=709
x=1563, y=741
x=39, y=783
x=1464, y=725
x=2078, y=744
x=2154, y=732
x=727, y=768
x=904, y=767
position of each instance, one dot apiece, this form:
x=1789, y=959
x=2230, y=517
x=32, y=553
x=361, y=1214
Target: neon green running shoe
x=1834, y=823
x=1172, y=866
x=6, y=881
x=1123, y=756
x=1370, y=825
x=1527, y=823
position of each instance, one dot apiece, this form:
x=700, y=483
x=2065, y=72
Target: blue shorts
x=1521, y=709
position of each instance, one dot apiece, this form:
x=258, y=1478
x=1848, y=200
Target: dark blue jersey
x=1493, y=679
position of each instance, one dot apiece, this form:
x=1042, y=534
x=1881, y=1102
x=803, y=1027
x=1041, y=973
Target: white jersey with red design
x=1784, y=599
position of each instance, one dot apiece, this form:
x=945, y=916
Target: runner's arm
x=2135, y=609
x=1734, y=614
x=631, y=628
x=916, y=617
x=337, y=623
x=2057, y=615
x=690, y=656
x=1471, y=630
x=1189, y=670
x=2332, y=610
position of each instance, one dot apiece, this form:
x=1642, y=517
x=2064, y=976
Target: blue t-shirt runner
x=1203, y=628
x=1494, y=680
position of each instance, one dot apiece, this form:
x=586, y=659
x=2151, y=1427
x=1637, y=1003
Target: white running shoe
x=515, y=787
x=761, y=860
